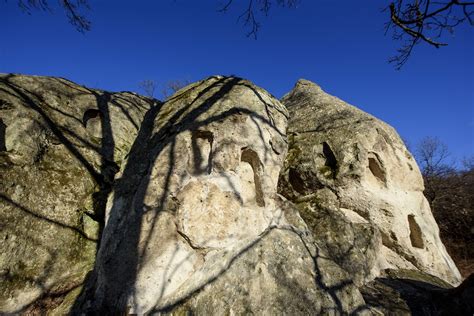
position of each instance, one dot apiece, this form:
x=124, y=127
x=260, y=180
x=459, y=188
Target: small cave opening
x=416, y=237
x=92, y=122
x=202, y=142
x=331, y=161
x=375, y=167
x=296, y=182
x=3, y=129
x=251, y=157
x=90, y=114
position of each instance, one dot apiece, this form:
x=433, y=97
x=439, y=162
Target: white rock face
x=373, y=176
x=196, y=203
x=207, y=191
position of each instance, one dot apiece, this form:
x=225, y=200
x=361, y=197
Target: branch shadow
x=53, y=119
x=119, y=257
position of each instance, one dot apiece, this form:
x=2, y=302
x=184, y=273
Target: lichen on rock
x=377, y=188
x=52, y=175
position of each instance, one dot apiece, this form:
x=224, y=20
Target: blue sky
x=340, y=45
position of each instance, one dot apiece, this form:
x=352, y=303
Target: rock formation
x=62, y=145
x=222, y=200
x=196, y=210
x=350, y=172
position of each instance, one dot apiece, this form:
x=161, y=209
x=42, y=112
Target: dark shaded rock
x=407, y=292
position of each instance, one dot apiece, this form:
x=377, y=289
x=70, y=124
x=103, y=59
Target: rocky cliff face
x=195, y=223
x=221, y=200
x=353, y=178
x=61, y=147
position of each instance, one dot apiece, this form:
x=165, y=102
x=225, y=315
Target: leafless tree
x=433, y=155
x=417, y=21
x=450, y=192
x=172, y=86
x=148, y=86
x=72, y=8
x=468, y=163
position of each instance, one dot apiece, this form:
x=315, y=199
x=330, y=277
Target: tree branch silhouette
x=418, y=21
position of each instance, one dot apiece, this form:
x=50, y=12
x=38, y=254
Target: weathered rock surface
x=203, y=205
x=354, y=182
x=61, y=145
x=195, y=218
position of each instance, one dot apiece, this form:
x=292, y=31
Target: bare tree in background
x=148, y=86
x=450, y=192
x=418, y=21
x=172, y=86
x=432, y=155
x=72, y=8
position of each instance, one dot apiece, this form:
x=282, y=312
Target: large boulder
x=359, y=189
x=195, y=224
x=60, y=147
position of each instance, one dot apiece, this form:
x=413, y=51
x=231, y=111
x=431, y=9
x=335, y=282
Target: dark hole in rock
x=297, y=183
x=249, y=156
x=90, y=114
x=331, y=160
x=93, y=123
x=202, y=142
x=3, y=129
x=416, y=236
x=376, y=168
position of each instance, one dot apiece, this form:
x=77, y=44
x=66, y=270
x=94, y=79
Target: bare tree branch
x=249, y=16
x=71, y=7
x=173, y=86
x=416, y=21
x=149, y=87
x=432, y=155
x=411, y=21
x=76, y=19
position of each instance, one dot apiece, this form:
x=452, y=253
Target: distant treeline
x=450, y=192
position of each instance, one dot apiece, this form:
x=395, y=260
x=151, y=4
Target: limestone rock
x=60, y=146
x=195, y=223
x=277, y=275
x=203, y=205
x=373, y=182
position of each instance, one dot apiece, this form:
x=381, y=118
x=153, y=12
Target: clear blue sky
x=338, y=44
